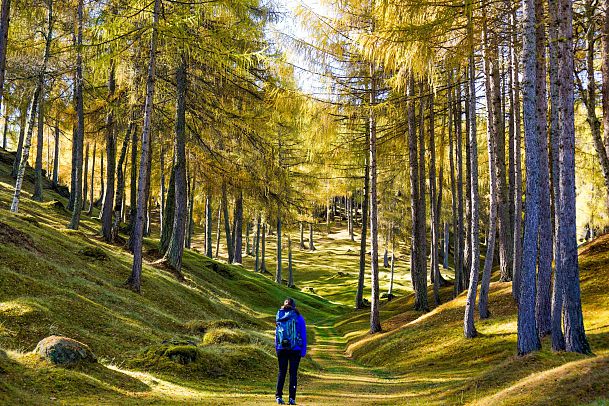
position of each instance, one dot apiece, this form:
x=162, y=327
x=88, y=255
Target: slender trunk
x=38, y=195
x=468, y=323
x=227, y=231
x=23, y=110
x=175, y=249
x=85, y=187
x=493, y=134
x=4, y=25
x=107, y=207
x=134, y=281
x=90, y=210
x=528, y=340
x=168, y=220
x=459, y=162
x=37, y=96
x=208, y=224
x=517, y=235
x=558, y=338
x=290, y=266
x=26, y=151
x=257, y=246
x=311, y=243
x=544, y=262
x=120, y=185
x=218, y=231
x=263, y=256
x=278, y=277
x=55, y=178
x=575, y=335
x=102, y=185
x=162, y=190
x=359, y=295
x=238, y=230
x=133, y=185
x=458, y=287
x=435, y=225
x=446, y=244
x=375, y=323
x=302, y=245
x=605, y=72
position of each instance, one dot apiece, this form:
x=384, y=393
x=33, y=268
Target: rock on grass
x=64, y=351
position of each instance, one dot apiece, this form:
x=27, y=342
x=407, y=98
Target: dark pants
x=293, y=358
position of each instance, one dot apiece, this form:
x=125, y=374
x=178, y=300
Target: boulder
x=64, y=351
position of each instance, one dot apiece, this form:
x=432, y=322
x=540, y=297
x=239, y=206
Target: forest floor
x=58, y=281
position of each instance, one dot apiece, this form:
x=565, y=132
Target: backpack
x=286, y=333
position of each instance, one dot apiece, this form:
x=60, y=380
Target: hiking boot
x=292, y=402
x=280, y=401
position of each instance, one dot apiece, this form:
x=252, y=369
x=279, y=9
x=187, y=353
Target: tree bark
x=208, y=224
x=468, y=323
x=528, y=340
x=107, y=207
x=162, y=190
x=175, y=249
x=375, y=323
x=227, y=231
x=4, y=26
x=544, y=262
x=290, y=266
x=257, y=245
x=85, y=187
x=278, y=276
x=23, y=110
x=38, y=195
x=120, y=184
x=575, y=336
x=168, y=219
x=558, y=339
x=55, y=178
x=311, y=243
x=238, y=230
x=38, y=94
x=134, y=281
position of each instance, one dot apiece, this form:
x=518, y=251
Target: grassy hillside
x=57, y=281
x=433, y=359
x=64, y=282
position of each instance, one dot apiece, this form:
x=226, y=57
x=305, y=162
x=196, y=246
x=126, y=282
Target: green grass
x=208, y=340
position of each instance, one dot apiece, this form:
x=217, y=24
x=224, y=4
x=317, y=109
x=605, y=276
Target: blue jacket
x=301, y=329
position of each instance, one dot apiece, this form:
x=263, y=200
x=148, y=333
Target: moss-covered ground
x=208, y=340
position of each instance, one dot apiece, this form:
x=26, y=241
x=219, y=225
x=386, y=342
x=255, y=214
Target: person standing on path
x=291, y=345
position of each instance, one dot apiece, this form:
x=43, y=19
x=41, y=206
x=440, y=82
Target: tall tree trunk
x=175, y=249
x=218, y=231
x=468, y=323
x=359, y=295
x=55, y=178
x=435, y=223
x=575, y=335
x=302, y=245
x=227, y=231
x=257, y=245
x=413, y=161
x=134, y=281
x=605, y=72
x=558, y=338
x=278, y=277
x=263, y=255
x=490, y=59
x=458, y=287
x=133, y=185
x=544, y=262
x=311, y=243
x=290, y=265
x=84, y=192
x=459, y=162
x=208, y=224
x=4, y=26
x=170, y=206
x=528, y=340
x=102, y=185
x=85, y=187
x=38, y=195
x=107, y=207
x=38, y=94
x=238, y=230
x=162, y=190
x=517, y=234
x=375, y=322
x=120, y=184
x=23, y=113
x=421, y=292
